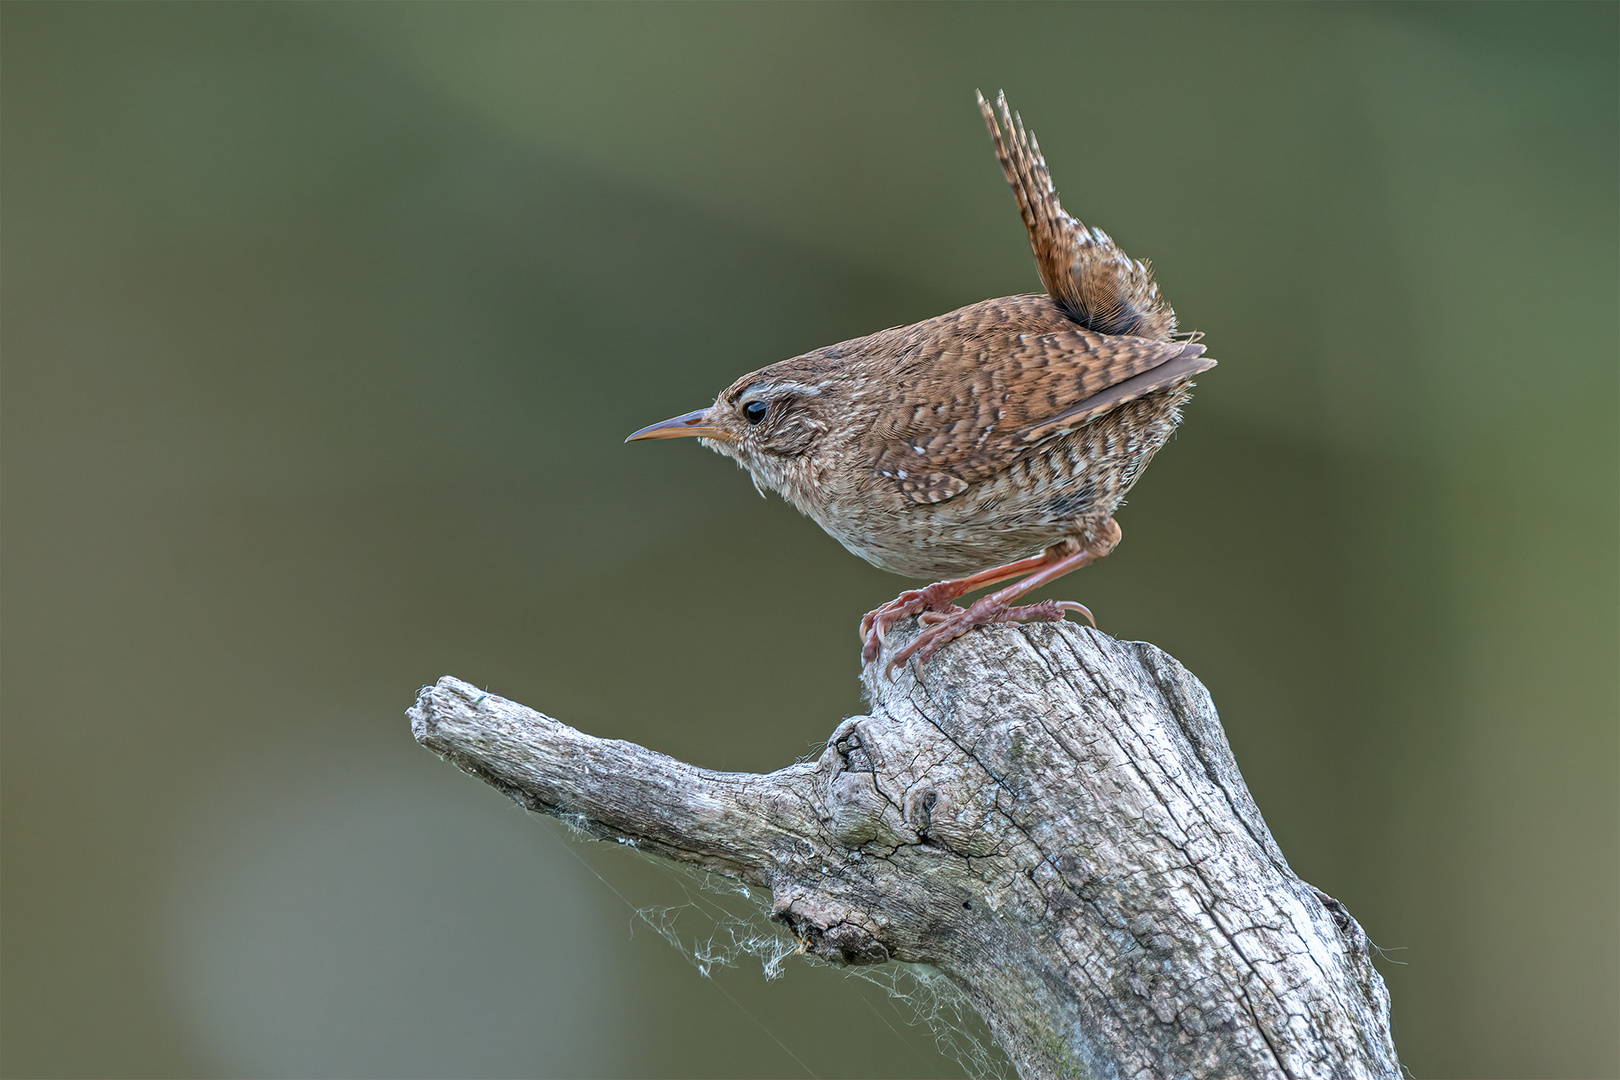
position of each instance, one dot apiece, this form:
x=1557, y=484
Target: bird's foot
x=934, y=599
x=939, y=627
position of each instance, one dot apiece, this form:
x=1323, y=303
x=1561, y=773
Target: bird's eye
x=755, y=411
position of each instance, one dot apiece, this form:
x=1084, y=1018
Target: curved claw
x=1074, y=605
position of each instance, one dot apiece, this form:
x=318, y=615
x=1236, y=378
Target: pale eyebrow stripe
x=804, y=389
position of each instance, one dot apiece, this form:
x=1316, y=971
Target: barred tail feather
x=1082, y=268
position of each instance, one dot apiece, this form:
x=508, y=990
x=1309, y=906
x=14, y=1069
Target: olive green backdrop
x=322, y=329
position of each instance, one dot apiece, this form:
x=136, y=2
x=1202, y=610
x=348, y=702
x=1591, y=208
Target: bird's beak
x=689, y=424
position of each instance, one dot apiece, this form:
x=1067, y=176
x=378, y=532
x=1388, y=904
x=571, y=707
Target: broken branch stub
x=1050, y=817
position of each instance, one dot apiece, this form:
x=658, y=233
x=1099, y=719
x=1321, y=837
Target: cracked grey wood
x=1050, y=817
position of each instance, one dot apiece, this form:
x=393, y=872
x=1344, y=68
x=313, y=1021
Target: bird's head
x=774, y=422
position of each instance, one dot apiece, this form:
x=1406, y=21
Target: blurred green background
x=322, y=327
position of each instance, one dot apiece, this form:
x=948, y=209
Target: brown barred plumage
x=1005, y=432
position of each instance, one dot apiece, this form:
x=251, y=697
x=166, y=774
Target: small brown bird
x=990, y=443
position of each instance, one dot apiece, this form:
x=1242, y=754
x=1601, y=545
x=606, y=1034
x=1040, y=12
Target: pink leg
x=936, y=598
x=942, y=627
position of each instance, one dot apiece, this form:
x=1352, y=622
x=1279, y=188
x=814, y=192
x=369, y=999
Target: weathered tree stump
x=1050, y=817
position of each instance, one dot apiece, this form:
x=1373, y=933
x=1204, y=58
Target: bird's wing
x=1021, y=390
x=1082, y=268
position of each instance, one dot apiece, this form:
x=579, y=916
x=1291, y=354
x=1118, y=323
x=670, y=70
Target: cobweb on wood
x=723, y=923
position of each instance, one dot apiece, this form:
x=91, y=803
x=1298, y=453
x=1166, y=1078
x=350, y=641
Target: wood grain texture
x=1050, y=817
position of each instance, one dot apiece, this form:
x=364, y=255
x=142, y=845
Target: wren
x=986, y=445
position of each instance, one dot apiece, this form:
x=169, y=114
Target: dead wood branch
x=1050, y=817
